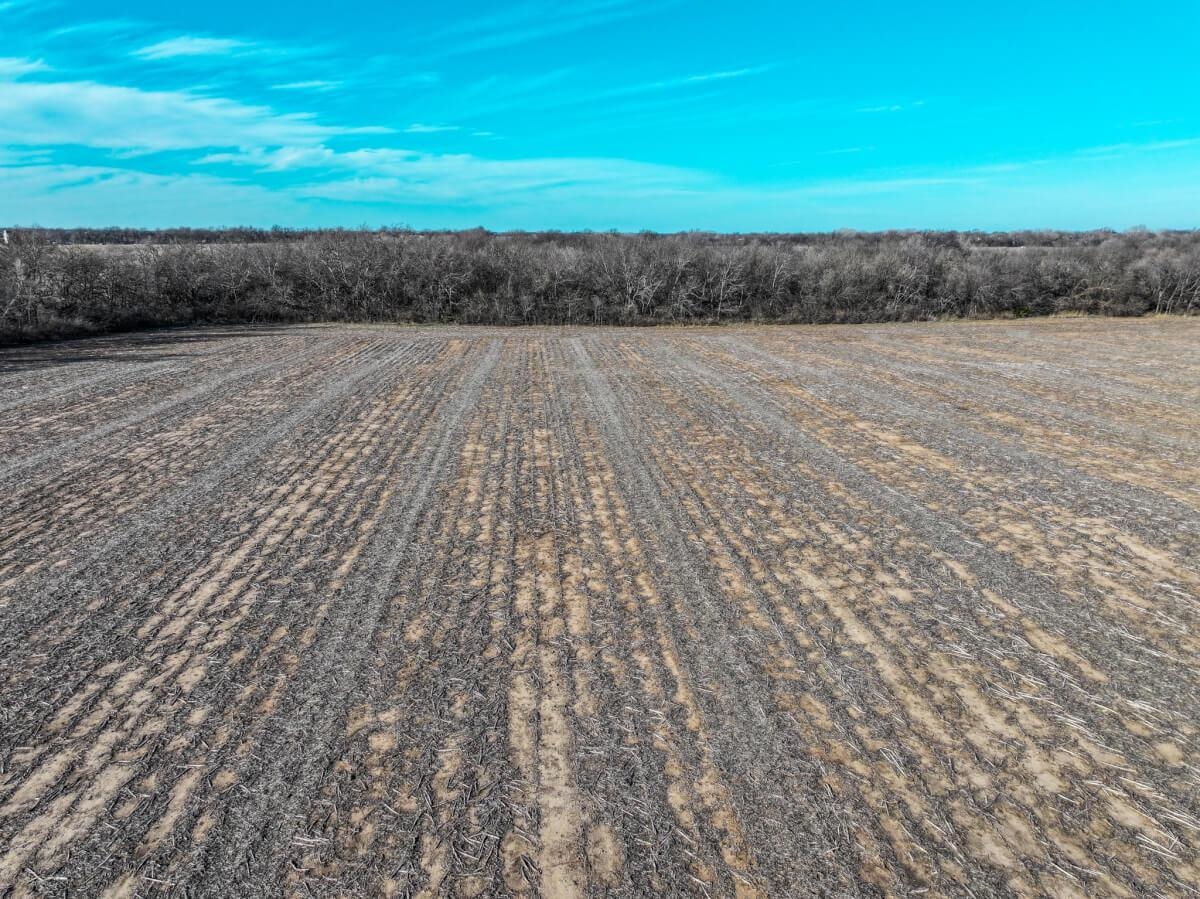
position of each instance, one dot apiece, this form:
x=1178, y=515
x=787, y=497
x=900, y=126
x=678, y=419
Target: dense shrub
x=64, y=282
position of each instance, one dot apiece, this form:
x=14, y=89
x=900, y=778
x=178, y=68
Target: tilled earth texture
x=389, y=611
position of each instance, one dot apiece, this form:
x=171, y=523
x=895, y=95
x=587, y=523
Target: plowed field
x=359, y=611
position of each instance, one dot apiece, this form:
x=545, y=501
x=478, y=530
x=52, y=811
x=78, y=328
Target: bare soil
x=387, y=611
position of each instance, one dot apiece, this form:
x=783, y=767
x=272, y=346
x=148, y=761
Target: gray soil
x=810, y=611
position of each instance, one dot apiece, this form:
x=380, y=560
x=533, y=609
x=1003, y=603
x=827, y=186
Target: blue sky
x=600, y=114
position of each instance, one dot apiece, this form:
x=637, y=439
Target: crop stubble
x=744, y=611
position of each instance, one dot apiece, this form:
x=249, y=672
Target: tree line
x=65, y=282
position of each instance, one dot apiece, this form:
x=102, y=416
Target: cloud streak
x=891, y=107
x=313, y=85
x=529, y=22
x=1143, y=147
x=531, y=100
x=317, y=184
x=15, y=67
x=402, y=176
x=70, y=195
x=86, y=113
x=418, y=128
x=189, y=45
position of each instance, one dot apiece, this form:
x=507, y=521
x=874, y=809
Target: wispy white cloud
x=516, y=18
x=15, y=66
x=277, y=159
x=891, y=107
x=808, y=160
x=519, y=15
x=20, y=7
x=666, y=84
x=673, y=83
x=313, y=85
x=867, y=186
x=422, y=128
x=535, y=100
x=502, y=86
x=528, y=22
x=70, y=195
x=113, y=30
x=725, y=75
x=317, y=184
x=419, y=128
x=190, y=45
x=106, y=116
x=1140, y=147
x=10, y=156
x=401, y=175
